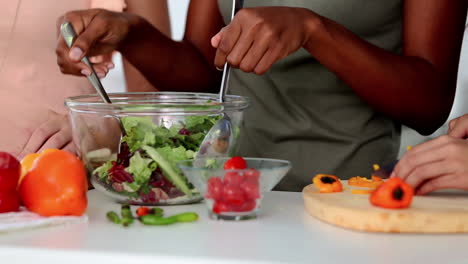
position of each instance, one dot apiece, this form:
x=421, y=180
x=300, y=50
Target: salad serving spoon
x=219, y=140
x=69, y=35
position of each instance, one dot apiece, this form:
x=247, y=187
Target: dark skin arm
x=155, y=12
x=167, y=64
x=415, y=88
x=191, y=58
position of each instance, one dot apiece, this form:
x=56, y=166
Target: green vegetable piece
x=157, y=220
x=140, y=132
x=169, y=170
x=126, y=212
x=186, y=217
x=113, y=217
x=141, y=169
x=151, y=219
x=127, y=216
x=127, y=221
x=103, y=170
x=156, y=211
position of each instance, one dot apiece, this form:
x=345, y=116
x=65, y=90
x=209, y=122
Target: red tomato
x=252, y=175
x=235, y=163
x=233, y=195
x=250, y=189
x=247, y=206
x=221, y=207
x=215, y=188
x=9, y=201
x=10, y=170
x=233, y=177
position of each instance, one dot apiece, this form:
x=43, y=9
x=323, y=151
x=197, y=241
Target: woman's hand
x=54, y=133
x=458, y=127
x=100, y=32
x=259, y=37
x=441, y=163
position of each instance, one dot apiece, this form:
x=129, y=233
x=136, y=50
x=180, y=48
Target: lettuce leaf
x=140, y=132
x=140, y=168
x=103, y=170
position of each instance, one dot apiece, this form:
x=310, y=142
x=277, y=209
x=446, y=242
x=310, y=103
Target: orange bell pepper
x=327, y=183
x=364, y=182
x=55, y=185
x=28, y=161
x=393, y=193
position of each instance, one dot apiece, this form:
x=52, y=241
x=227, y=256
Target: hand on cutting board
x=55, y=133
x=258, y=37
x=441, y=163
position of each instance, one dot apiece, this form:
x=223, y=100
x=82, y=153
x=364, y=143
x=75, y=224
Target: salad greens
x=150, y=154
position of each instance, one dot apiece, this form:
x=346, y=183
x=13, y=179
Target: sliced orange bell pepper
x=364, y=182
x=393, y=193
x=327, y=183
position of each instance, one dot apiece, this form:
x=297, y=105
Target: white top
x=283, y=234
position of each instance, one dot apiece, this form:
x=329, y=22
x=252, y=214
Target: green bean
x=157, y=220
x=127, y=221
x=113, y=217
x=186, y=217
x=126, y=212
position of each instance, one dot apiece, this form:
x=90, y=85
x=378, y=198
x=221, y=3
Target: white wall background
x=115, y=82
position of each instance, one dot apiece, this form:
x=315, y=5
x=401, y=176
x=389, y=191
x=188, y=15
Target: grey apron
x=304, y=113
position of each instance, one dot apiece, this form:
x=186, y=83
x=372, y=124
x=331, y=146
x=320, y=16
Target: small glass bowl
x=234, y=194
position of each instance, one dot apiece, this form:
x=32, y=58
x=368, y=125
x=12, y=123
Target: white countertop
x=284, y=233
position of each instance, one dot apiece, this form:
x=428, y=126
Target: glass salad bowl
x=161, y=128
x=234, y=194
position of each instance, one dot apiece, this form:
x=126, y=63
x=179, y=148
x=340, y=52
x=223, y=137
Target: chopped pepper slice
x=393, y=193
x=364, y=182
x=327, y=183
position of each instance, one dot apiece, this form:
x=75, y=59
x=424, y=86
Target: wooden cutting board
x=441, y=212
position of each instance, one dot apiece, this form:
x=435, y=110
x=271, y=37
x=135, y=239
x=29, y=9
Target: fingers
x=68, y=65
x=230, y=36
x=458, y=127
x=429, y=171
x=430, y=151
x=217, y=39
x=39, y=136
x=57, y=141
x=83, y=43
x=272, y=56
x=90, y=28
x=451, y=181
x=70, y=147
x=101, y=70
x=254, y=55
x=433, y=163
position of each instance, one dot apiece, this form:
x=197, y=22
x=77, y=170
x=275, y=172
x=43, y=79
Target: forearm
x=167, y=64
x=406, y=88
x=155, y=12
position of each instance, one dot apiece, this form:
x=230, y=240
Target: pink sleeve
x=113, y=5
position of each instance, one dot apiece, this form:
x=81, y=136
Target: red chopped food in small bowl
x=234, y=193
